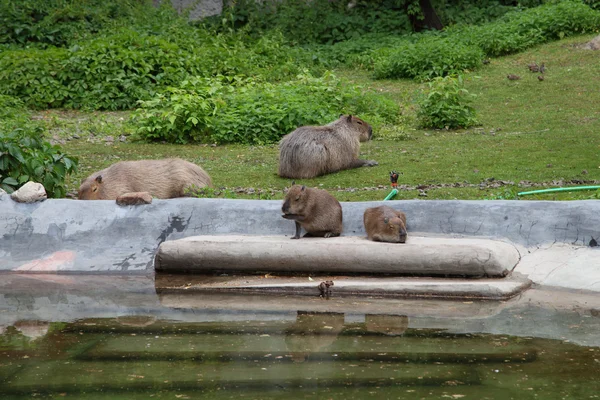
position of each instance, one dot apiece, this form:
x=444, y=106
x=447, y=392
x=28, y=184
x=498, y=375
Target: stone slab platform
x=344, y=286
x=419, y=256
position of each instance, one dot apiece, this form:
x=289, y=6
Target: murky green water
x=317, y=356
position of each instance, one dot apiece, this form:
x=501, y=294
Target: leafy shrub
x=517, y=31
x=476, y=12
x=446, y=105
x=316, y=21
x=60, y=22
x=115, y=71
x=251, y=111
x=25, y=156
x=427, y=59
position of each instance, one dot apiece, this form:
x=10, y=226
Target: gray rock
x=593, y=44
x=30, y=193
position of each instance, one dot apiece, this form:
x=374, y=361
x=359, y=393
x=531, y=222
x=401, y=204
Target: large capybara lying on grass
x=315, y=210
x=311, y=151
x=384, y=224
x=164, y=179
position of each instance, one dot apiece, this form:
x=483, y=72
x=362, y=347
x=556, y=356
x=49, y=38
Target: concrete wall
x=99, y=236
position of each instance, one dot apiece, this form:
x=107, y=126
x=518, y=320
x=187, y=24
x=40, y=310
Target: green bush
x=60, y=22
x=517, y=31
x=115, y=71
x=446, y=105
x=251, y=111
x=25, y=156
x=316, y=21
x=427, y=59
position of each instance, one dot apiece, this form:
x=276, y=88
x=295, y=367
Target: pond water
x=312, y=355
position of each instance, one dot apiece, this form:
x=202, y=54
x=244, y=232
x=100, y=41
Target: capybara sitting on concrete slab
x=315, y=210
x=384, y=224
x=163, y=179
x=311, y=151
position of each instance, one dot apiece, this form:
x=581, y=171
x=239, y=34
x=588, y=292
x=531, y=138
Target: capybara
x=164, y=179
x=315, y=210
x=311, y=151
x=384, y=224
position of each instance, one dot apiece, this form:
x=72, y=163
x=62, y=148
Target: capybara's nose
x=370, y=133
x=402, y=236
x=286, y=207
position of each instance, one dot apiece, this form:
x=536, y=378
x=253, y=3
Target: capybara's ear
x=349, y=119
x=99, y=179
x=303, y=187
x=386, y=220
x=293, y=183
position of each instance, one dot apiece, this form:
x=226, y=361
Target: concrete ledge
x=345, y=286
x=350, y=255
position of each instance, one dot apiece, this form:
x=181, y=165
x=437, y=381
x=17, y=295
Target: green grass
x=530, y=130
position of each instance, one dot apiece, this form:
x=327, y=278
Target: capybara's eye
x=94, y=189
x=360, y=123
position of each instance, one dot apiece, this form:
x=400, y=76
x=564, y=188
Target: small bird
x=533, y=67
x=513, y=77
x=542, y=68
x=540, y=78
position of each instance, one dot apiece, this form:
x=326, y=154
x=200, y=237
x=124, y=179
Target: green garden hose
x=567, y=189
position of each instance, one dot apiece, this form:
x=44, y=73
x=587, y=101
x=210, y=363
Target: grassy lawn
x=531, y=130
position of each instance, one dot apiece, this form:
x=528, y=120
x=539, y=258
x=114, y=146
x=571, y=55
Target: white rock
x=30, y=193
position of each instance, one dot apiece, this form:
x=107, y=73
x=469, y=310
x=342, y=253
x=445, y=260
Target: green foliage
x=477, y=12
x=428, y=58
x=446, y=105
x=316, y=21
x=462, y=47
x=251, y=111
x=60, y=22
x=25, y=156
x=595, y=4
x=517, y=31
x=114, y=72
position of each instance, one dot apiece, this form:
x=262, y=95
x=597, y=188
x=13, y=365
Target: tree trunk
x=430, y=20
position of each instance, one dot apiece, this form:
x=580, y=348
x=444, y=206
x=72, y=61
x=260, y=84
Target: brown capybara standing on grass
x=384, y=224
x=311, y=151
x=315, y=210
x=164, y=179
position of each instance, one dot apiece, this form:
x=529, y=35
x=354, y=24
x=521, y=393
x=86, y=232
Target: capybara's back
x=384, y=224
x=163, y=179
x=311, y=151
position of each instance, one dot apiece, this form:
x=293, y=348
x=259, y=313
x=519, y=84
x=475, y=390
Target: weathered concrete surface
x=554, y=314
x=564, y=266
x=418, y=256
x=99, y=236
x=346, y=286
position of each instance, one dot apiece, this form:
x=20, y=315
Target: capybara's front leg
x=298, y=230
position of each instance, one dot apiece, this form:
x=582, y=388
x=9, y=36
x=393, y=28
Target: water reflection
x=317, y=354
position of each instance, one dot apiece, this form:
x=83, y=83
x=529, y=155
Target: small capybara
x=163, y=179
x=315, y=210
x=384, y=224
x=311, y=151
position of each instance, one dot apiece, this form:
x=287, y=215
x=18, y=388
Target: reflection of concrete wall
x=197, y=8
